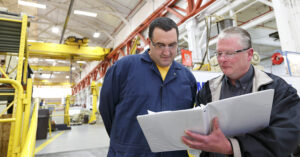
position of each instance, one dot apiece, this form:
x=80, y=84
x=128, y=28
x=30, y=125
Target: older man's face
x=234, y=65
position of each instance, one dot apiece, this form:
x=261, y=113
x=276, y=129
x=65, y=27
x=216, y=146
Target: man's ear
x=148, y=41
x=250, y=54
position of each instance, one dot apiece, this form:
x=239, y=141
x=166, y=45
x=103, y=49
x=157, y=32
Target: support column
x=191, y=27
x=287, y=13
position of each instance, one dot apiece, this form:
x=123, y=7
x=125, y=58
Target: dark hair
x=244, y=35
x=163, y=23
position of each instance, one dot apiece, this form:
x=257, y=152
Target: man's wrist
x=229, y=149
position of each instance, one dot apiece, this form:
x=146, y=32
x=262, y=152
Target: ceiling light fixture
x=45, y=75
x=49, y=60
x=32, y=4
x=85, y=13
x=81, y=62
x=67, y=76
x=55, y=30
x=96, y=35
x=37, y=41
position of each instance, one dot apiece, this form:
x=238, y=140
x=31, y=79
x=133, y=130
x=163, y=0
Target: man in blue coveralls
x=148, y=81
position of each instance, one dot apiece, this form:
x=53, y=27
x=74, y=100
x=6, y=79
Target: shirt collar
x=244, y=80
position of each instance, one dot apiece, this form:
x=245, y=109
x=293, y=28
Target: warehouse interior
x=54, y=55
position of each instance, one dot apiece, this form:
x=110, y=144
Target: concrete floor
x=82, y=140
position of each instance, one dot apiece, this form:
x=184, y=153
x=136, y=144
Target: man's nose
x=221, y=57
x=167, y=50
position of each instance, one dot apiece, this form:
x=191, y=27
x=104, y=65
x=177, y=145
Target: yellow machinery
x=13, y=34
x=95, y=95
x=67, y=107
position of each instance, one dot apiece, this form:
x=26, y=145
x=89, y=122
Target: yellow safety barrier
x=21, y=140
x=7, y=108
x=15, y=142
x=27, y=105
x=2, y=71
x=66, y=115
x=94, y=111
x=29, y=146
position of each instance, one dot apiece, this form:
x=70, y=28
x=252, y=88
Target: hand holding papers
x=237, y=115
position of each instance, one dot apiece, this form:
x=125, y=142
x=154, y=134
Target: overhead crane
x=63, y=51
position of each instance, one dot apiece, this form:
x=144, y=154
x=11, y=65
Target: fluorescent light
x=32, y=4
x=49, y=60
x=45, y=75
x=81, y=62
x=67, y=76
x=61, y=61
x=55, y=30
x=85, y=13
x=38, y=41
x=96, y=35
x=73, y=68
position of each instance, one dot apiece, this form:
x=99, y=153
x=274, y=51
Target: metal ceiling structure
x=255, y=15
x=114, y=15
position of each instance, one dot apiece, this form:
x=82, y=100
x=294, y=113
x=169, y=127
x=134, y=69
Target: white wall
x=51, y=92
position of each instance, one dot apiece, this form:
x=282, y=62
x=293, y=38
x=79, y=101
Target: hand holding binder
x=237, y=115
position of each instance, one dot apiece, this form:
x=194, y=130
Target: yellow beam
x=53, y=83
x=10, y=20
x=94, y=92
x=7, y=120
x=27, y=105
x=50, y=68
x=67, y=116
x=62, y=51
x=22, y=48
x=29, y=147
x=7, y=93
x=3, y=72
x=54, y=103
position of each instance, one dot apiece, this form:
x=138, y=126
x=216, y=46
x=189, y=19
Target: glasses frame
x=229, y=55
x=164, y=46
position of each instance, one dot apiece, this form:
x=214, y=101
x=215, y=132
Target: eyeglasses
x=162, y=46
x=230, y=54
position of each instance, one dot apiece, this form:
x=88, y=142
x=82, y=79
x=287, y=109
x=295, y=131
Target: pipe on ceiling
x=67, y=20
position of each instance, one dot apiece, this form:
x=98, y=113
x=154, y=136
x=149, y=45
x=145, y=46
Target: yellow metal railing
x=29, y=145
x=20, y=139
x=94, y=92
x=27, y=104
x=66, y=115
x=2, y=71
x=14, y=143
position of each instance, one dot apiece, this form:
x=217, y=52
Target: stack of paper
x=237, y=115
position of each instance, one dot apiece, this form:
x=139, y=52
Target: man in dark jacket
x=149, y=81
x=280, y=138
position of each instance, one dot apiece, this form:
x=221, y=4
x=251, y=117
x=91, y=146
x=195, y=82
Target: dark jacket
x=283, y=133
x=132, y=86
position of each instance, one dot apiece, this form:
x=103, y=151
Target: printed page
x=163, y=130
x=242, y=114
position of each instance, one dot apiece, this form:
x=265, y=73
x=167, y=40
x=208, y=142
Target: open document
x=237, y=115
